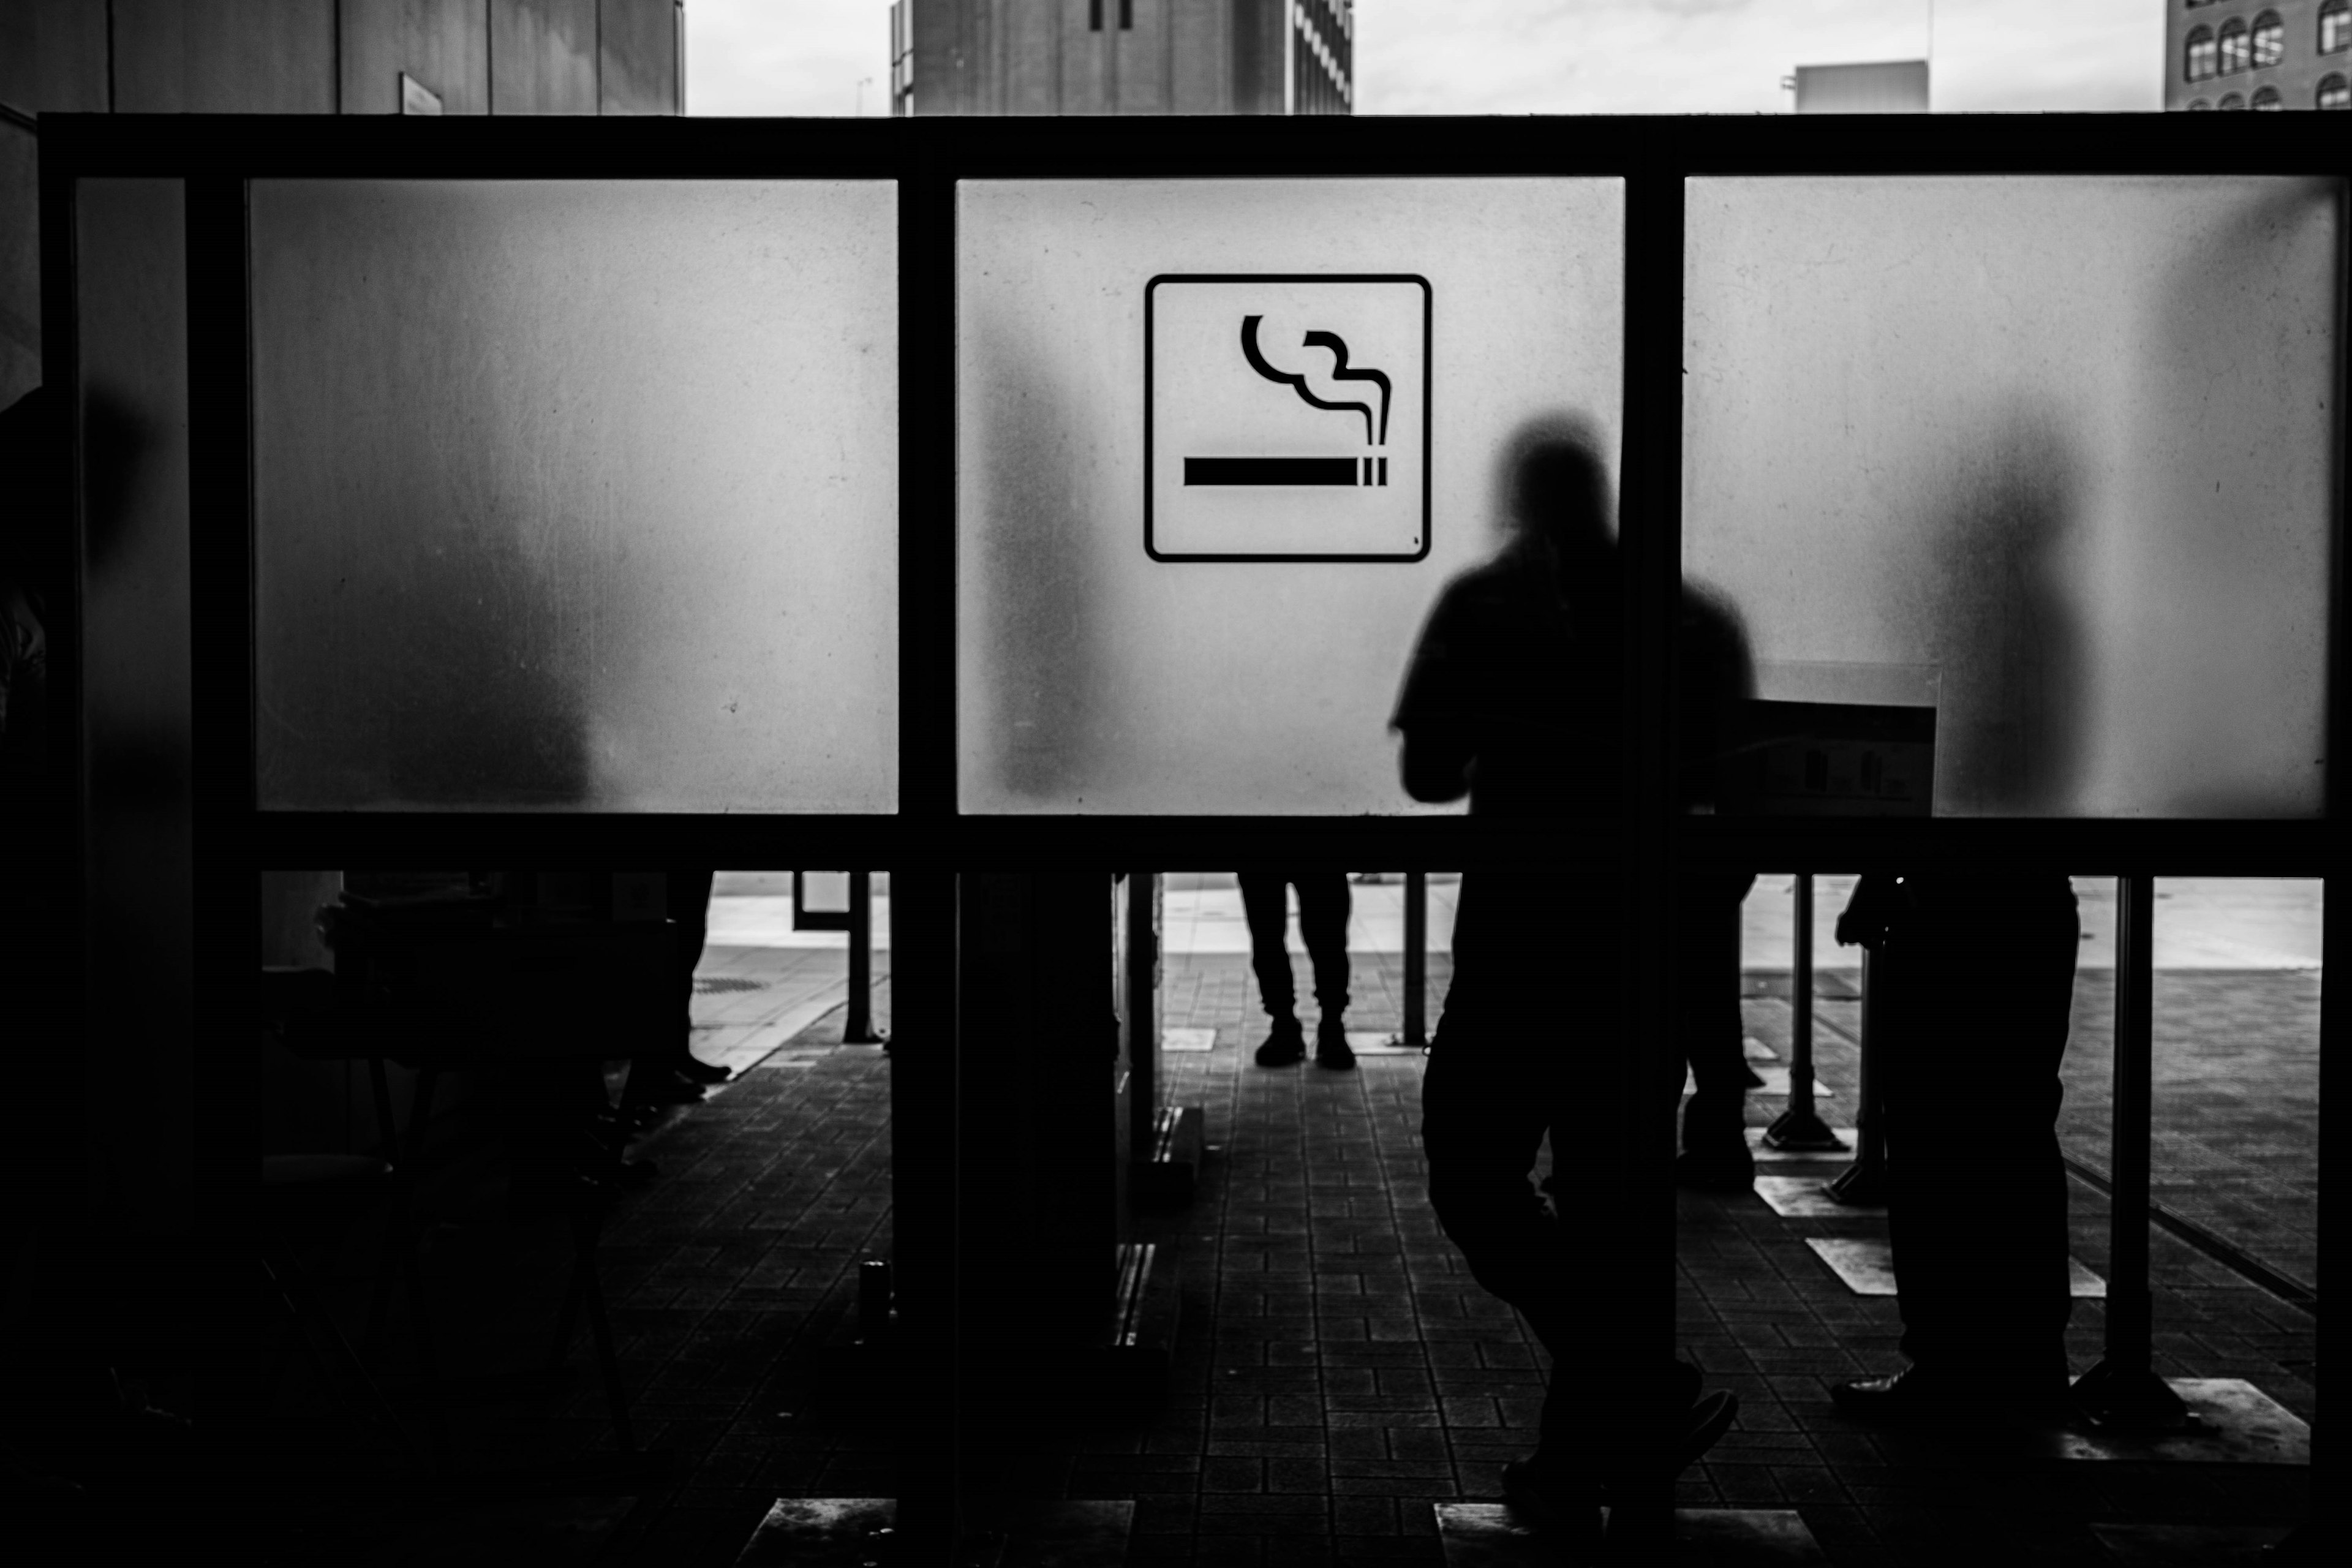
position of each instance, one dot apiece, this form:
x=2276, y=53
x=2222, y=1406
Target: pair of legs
x=1503, y=1074
x=1323, y=906
x=673, y=1072
x=1977, y=1198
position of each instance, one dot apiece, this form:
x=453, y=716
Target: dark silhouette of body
x=1974, y=967
x=1514, y=697
x=1323, y=923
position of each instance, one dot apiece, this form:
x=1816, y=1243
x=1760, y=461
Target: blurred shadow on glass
x=2231, y=580
x=1048, y=703
x=2001, y=619
x=2066, y=442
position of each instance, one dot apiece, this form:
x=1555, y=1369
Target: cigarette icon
x=1349, y=472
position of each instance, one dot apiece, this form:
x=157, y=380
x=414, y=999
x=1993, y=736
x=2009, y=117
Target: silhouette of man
x=1513, y=697
x=1323, y=923
x=1978, y=965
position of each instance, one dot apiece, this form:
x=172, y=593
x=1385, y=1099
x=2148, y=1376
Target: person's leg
x=1978, y=1216
x=1710, y=1033
x=1266, y=908
x=689, y=907
x=1323, y=906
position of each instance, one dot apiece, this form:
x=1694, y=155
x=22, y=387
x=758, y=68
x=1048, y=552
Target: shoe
x=1331, y=1047
x=694, y=1069
x=1285, y=1047
x=1547, y=1502
x=1917, y=1394
x=1708, y=1420
x=1715, y=1171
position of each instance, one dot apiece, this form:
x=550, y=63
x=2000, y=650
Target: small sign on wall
x=1828, y=759
x=1287, y=417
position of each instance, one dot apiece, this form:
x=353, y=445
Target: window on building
x=2197, y=59
x=2335, y=26
x=1126, y=15
x=2234, y=101
x=2198, y=104
x=2237, y=47
x=2268, y=98
x=2335, y=92
x=2269, y=39
x=1094, y=15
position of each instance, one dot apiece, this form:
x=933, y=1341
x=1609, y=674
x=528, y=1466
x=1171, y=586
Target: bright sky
x=1536, y=57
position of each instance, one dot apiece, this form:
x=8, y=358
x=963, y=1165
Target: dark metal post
x=1800, y=1126
x=1416, y=958
x=1142, y=999
x=858, y=1029
x=2122, y=1389
x=1864, y=1182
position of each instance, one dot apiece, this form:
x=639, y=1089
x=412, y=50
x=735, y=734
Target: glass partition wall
x=707, y=492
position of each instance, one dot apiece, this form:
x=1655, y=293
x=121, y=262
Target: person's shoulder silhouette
x=1512, y=690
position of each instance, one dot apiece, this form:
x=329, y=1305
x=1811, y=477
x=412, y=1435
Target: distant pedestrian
x=1323, y=924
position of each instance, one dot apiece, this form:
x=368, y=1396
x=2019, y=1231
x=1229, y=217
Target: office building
x=2258, y=53
x=1122, y=56
x=303, y=57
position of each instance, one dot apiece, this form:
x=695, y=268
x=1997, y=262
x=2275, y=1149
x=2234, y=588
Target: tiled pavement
x=1338, y=1372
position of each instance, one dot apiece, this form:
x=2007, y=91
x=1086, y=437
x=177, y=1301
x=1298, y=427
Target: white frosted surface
x=577, y=495
x=2064, y=442
x=1093, y=678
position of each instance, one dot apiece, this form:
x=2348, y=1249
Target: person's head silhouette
x=1557, y=492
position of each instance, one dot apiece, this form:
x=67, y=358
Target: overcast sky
x=1536, y=57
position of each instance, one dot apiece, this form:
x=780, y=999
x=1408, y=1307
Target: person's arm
x=1436, y=741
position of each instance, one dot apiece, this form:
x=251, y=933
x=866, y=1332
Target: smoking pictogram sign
x=1287, y=417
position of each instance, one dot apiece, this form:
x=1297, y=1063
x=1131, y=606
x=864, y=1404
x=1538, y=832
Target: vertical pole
x=858, y=1029
x=2129, y=1313
x=1800, y=1126
x=1143, y=1001
x=2122, y=1389
x=1416, y=958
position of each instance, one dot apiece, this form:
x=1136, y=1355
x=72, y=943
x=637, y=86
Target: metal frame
x=927, y=841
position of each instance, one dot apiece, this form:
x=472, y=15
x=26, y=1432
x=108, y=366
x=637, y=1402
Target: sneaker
x=1285, y=1047
x=696, y=1070
x=1331, y=1047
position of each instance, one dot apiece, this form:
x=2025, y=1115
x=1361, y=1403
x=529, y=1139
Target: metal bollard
x=1864, y=1184
x=857, y=1027
x=2123, y=1390
x=1416, y=958
x=1800, y=1127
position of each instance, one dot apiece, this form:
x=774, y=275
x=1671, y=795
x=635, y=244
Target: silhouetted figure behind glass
x=1513, y=697
x=1974, y=968
x=1323, y=924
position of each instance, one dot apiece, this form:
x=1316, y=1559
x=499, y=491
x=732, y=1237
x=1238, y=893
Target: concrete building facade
x=303, y=57
x=2257, y=54
x=1122, y=56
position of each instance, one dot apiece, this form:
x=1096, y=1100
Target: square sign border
x=1428, y=338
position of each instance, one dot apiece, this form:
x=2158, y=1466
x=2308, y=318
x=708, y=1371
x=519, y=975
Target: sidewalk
x=1339, y=1373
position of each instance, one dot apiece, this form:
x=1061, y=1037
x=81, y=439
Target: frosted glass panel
x=2064, y=442
x=1335, y=368
x=577, y=495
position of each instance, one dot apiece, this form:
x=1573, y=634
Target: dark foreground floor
x=1337, y=1374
